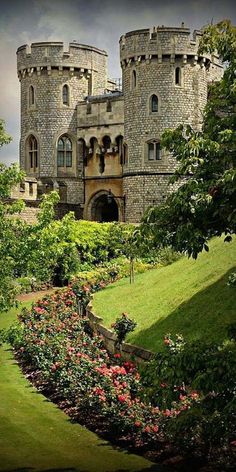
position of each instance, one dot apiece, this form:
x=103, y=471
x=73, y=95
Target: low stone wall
x=29, y=214
x=128, y=351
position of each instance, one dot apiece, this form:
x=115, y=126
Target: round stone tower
x=53, y=81
x=165, y=84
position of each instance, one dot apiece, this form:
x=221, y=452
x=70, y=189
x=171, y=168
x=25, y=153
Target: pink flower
x=137, y=424
x=147, y=429
x=155, y=428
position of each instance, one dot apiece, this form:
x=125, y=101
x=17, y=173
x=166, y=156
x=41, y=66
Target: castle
x=96, y=142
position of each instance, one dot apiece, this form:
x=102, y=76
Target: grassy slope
x=188, y=297
x=36, y=435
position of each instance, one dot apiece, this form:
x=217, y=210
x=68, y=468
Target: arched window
x=177, y=76
x=64, y=152
x=33, y=153
x=93, y=145
x=65, y=95
x=154, y=104
x=154, y=151
x=134, y=79
x=31, y=96
x=106, y=141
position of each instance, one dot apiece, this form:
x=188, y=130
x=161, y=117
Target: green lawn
x=35, y=435
x=189, y=297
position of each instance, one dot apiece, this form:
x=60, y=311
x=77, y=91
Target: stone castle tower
x=100, y=145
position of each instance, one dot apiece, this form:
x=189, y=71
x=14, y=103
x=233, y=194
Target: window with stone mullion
x=154, y=151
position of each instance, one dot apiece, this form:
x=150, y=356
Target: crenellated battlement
x=43, y=57
x=162, y=43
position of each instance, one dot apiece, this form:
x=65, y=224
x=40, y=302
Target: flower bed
x=71, y=366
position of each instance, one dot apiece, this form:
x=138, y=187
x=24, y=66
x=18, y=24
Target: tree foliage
x=205, y=203
x=10, y=227
x=5, y=138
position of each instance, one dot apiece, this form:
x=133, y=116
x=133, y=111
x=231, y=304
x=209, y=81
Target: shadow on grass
x=205, y=316
x=153, y=468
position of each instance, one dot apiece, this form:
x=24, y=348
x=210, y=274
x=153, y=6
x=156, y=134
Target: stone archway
x=104, y=209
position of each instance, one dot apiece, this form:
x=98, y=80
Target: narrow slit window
x=31, y=96
x=134, y=79
x=65, y=95
x=177, y=76
x=109, y=106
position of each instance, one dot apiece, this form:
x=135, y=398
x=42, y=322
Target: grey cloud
x=95, y=22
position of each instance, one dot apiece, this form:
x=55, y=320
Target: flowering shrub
x=205, y=373
x=123, y=326
x=183, y=401
x=75, y=370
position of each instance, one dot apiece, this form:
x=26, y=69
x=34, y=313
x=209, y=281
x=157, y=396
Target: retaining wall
x=128, y=351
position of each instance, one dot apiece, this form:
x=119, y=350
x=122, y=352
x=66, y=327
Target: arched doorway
x=104, y=209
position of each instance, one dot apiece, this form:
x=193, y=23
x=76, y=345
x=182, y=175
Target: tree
x=10, y=228
x=5, y=138
x=205, y=203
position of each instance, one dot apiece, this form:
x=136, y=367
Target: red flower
x=117, y=355
x=122, y=398
x=167, y=341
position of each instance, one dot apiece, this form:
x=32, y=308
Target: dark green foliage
x=209, y=370
x=123, y=326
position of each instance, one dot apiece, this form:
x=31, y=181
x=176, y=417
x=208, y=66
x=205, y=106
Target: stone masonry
x=113, y=172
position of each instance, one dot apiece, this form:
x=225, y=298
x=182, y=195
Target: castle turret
x=164, y=84
x=53, y=81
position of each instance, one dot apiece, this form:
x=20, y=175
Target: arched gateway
x=104, y=209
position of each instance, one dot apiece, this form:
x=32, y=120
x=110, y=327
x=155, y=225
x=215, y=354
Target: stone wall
x=128, y=351
x=149, y=60
x=47, y=67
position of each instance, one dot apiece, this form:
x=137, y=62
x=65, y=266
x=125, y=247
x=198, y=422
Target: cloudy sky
x=96, y=22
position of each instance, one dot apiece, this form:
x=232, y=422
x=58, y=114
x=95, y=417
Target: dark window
x=65, y=95
x=33, y=153
x=177, y=76
x=31, y=189
x=106, y=140
x=64, y=152
x=134, y=79
x=125, y=159
x=119, y=142
x=101, y=163
x=109, y=106
x=154, y=151
x=89, y=108
x=154, y=104
x=31, y=96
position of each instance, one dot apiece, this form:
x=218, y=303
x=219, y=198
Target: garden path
x=35, y=435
